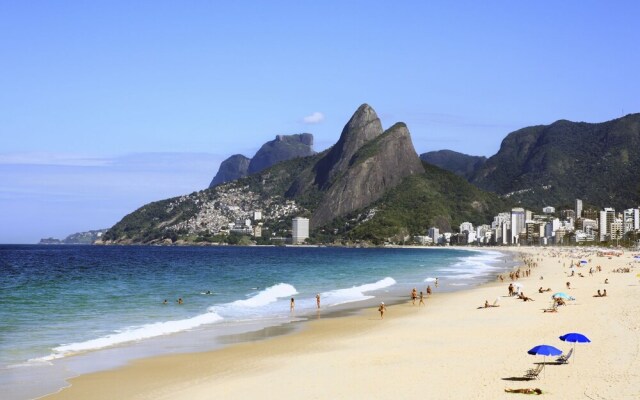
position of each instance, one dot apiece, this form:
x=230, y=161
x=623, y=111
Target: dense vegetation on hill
x=555, y=164
x=436, y=198
x=460, y=164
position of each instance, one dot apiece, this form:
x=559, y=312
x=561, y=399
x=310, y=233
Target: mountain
x=459, y=163
x=557, y=163
x=360, y=167
x=77, y=238
x=283, y=147
x=234, y=167
x=371, y=186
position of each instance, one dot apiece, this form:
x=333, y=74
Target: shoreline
x=448, y=349
x=299, y=323
x=50, y=376
x=206, y=339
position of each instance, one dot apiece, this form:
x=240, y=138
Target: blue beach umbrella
x=562, y=295
x=574, y=338
x=545, y=350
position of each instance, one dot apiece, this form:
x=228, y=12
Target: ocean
x=68, y=310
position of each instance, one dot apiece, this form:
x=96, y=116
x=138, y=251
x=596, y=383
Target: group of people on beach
x=292, y=303
x=382, y=308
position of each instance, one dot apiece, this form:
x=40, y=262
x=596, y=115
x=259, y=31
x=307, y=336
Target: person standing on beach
x=414, y=296
x=382, y=309
x=318, y=300
x=428, y=290
x=292, y=306
x=436, y=283
x=421, y=299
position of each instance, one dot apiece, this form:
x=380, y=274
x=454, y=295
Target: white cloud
x=315, y=118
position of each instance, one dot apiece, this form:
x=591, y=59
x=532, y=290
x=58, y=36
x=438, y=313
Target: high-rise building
x=517, y=223
x=631, y=219
x=578, y=208
x=466, y=226
x=607, y=217
x=434, y=234
x=299, y=230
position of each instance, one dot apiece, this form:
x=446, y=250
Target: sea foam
x=267, y=296
x=132, y=334
x=473, y=266
x=355, y=293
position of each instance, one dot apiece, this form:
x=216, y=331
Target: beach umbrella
x=574, y=338
x=562, y=295
x=545, y=350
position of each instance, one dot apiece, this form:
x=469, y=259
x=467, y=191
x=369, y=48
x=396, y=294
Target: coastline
x=448, y=349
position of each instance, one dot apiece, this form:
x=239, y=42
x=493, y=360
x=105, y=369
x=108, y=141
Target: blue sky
x=105, y=106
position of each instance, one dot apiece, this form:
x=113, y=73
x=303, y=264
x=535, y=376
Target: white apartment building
x=466, y=226
x=299, y=230
x=578, y=208
x=631, y=219
x=607, y=217
x=434, y=234
x=517, y=224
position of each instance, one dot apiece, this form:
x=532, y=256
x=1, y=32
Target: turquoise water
x=62, y=304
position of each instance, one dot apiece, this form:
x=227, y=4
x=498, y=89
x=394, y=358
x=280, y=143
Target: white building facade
x=299, y=230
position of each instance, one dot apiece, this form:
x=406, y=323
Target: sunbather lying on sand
x=487, y=305
x=525, y=298
x=525, y=391
x=541, y=290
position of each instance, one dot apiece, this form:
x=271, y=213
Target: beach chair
x=534, y=372
x=564, y=359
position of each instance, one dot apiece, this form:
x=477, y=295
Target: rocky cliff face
x=374, y=164
x=363, y=127
x=460, y=164
x=282, y=148
x=234, y=167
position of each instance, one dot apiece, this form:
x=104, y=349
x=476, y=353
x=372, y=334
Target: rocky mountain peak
x=282, y=148
x=377, y=166
x=363, y=127
x=231, y=169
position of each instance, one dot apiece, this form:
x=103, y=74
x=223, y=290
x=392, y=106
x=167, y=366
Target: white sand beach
x=448, y=349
